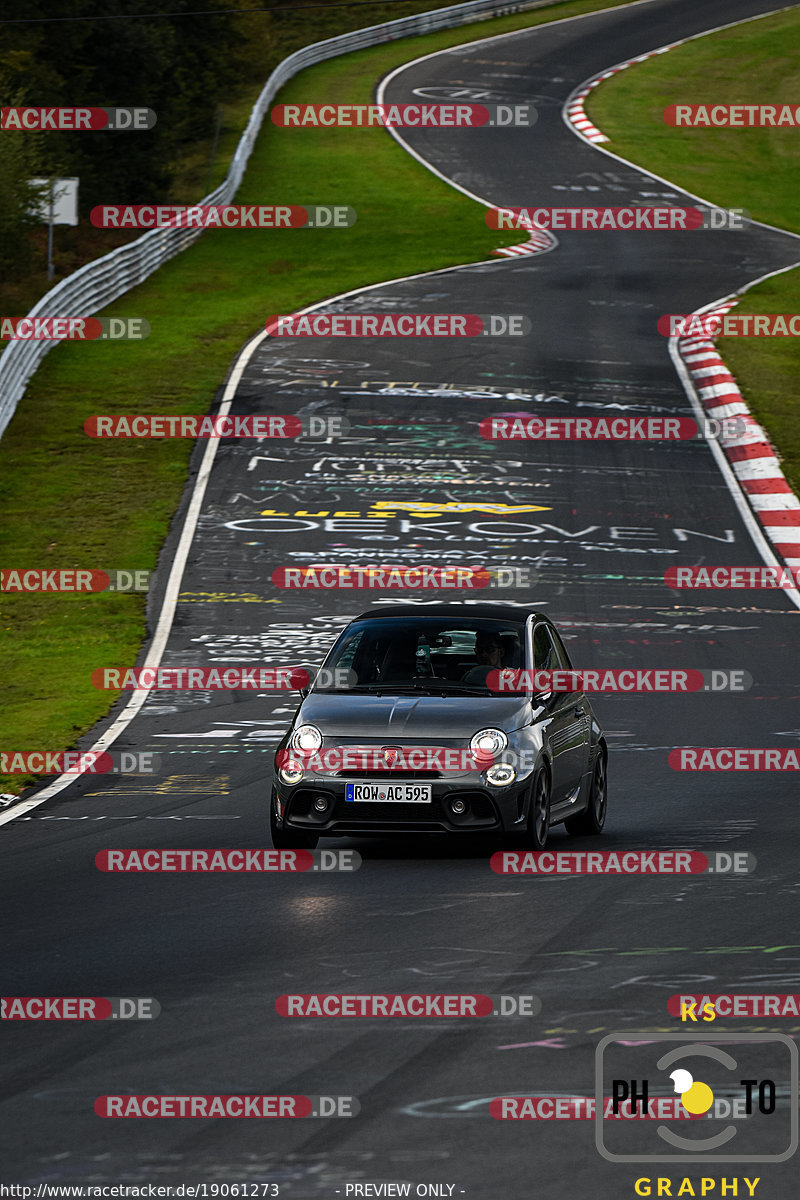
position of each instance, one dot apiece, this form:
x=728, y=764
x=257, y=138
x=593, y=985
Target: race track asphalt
x=603, y=954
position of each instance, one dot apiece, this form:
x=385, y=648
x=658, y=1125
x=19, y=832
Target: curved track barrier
x=105, y=279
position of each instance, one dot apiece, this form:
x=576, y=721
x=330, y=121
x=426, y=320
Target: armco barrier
x=104, y=280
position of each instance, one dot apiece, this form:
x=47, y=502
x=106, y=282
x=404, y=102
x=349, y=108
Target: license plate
x=389, y=793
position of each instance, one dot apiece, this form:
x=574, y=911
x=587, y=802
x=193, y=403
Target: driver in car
x=489, y=653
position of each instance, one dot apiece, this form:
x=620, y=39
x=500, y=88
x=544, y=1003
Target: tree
x=20, y=161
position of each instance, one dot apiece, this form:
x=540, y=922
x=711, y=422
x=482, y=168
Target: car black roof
x=487, y=612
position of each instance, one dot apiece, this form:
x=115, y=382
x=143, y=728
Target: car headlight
x=501, y=775
x=290, y=773
x=306, y=737
x=489, y=741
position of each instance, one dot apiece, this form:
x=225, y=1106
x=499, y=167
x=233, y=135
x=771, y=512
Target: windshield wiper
x=377, y=688
x=424, y=687
x=453, y=688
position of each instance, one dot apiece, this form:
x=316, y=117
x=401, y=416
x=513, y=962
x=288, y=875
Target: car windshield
x=424, y=654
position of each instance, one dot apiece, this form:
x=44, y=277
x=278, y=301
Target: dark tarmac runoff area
x=412, y=481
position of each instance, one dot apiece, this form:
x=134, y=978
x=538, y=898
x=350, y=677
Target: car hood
x=426, y=717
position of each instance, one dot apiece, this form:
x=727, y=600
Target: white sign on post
x=64, y=195
x=58, y=206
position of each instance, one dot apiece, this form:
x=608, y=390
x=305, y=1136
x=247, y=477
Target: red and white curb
x=539, y=241
x=753, y=459
x=575, y=115
x=574, y=111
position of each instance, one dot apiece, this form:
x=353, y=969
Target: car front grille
x=389, y=775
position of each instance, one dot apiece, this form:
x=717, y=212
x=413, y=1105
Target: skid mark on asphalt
x=172, y=785
x=134, y=817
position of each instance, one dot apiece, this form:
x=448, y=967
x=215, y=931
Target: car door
x=581, y=714
x=567, y=720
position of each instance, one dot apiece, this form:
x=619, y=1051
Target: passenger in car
x=489, y=655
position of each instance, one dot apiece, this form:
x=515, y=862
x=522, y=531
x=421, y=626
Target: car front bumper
x=486, y=809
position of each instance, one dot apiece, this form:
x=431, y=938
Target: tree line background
x=182, y=58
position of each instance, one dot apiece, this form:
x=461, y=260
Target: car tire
x=538, y=825
x=591, y=821
x=288, y=839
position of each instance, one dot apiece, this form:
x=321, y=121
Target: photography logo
x=738, y=1097
x=696, y=1098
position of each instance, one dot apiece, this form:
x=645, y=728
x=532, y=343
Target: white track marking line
x=508, y=251
x=166, y=615
x=741, y=499
x=746, y=504
x=565, y=116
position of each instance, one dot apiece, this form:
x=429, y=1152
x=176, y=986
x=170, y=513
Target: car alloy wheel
x=599, y=799
x=539, y=816
x=594, y=818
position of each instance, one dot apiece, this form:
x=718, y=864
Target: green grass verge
x=270, y=38
x=68, y=501
x=754, y=169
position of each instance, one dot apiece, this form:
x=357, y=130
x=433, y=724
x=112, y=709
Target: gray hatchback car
x=424, y=719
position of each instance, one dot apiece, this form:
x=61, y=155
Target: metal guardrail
x=105, y=279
